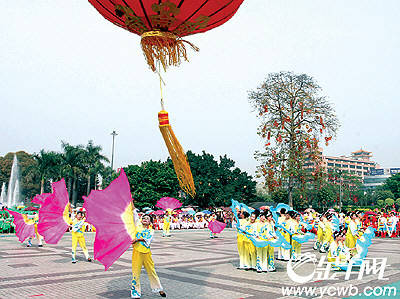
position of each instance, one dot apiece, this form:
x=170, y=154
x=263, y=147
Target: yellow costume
x=241, y=244
x=338, y=253
x=320, y=235
x=295, y=229
x=284, y=254
x=250, y=249
x=141, y=256
x=166, y=224
x=39, y=237
x=351, y=235
x=265, y=255
x=78, y=237
x=328, y=237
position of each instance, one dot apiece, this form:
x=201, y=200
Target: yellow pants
x=351, y=242
x=320, y=238
x=39, y=237
x=241, y=250
x=284, y=254
x=81, y=239
x=140, y=259
x=166, y=226
x=328, y=238
x=250, y=255
x=265, y=258
x=295, y=250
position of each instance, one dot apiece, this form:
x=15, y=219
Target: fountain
x=13, y=185
x=3, y=195
x=16, y=194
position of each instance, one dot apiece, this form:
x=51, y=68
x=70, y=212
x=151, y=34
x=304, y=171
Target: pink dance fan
x=40, y=198
x=216, y=227
x=54, y=213
x=111, y=212
x=24, y=227
x=168, y=203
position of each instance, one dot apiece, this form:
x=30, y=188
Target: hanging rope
x=176, y=152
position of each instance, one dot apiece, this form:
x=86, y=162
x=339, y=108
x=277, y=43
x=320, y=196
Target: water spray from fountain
x=3, y=195
x=13, y=194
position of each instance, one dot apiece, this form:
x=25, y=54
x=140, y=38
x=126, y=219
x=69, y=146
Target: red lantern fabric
x=180, y=17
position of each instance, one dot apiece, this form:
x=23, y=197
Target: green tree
x=392, y=184
x=48, y=164
x=382, y=195
x=150, y=181
x=216, y=182
x=380, y=203
x=294, y=116
x=29, y=179
x=398, y=202
x=73, y=167
x=93, y=162
x=389, y=201
x=280, y=195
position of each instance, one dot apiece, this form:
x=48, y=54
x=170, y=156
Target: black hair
x=79, y=212
x=256, y=212
x=282, y=211
x=246, y=214
x=339, y=233
x=151, y=217
x=292, y=214
x=267, y=213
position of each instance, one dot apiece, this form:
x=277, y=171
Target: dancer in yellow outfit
x=328, y=234
x=320, y=232
x=251, y=230
x=39, y=237
x=352, y=233
x=284, y=220
x=295, y=228
x=77, y=236
x=212, y=218
x=241, y=243
x=338, y=252
x=265, y=231
x=141, y=256
x=167, y=223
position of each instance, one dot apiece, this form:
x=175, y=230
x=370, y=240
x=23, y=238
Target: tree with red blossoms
x=294, y=118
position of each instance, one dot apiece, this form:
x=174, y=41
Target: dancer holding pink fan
x=168, y=204
x=215, y=226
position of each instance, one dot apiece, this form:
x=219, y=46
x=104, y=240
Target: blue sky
x=68, y=74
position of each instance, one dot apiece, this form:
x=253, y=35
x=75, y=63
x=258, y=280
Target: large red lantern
x=162, y=24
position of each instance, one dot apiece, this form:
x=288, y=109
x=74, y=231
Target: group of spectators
x=199, y=220
x=6, y=223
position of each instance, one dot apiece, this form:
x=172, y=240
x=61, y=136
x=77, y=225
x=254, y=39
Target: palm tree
x=48, y=164
x=73, y=166
x=93, y=162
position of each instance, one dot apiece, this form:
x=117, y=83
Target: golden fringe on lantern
x=165, y=47
x=181, y=165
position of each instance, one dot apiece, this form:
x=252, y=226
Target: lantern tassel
x=164, y=47
x=181, y=165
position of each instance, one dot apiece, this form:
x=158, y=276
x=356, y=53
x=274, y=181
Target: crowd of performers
x=260, y=233
x=344, y=237
x=112, y=215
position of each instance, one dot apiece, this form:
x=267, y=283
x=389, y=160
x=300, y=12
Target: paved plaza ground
x=189, y=264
